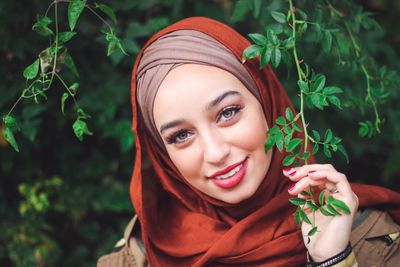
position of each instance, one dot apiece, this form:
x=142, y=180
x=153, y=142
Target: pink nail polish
x=290, y=188
x=292, y=173
x=287, y=169
x=311, y=171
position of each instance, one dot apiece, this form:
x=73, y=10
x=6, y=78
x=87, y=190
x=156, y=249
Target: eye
x=228, y=113
x=179, y=137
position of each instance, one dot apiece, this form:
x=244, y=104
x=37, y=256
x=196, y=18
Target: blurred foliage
x=64, y=202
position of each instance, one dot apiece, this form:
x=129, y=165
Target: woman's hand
x=333, y=231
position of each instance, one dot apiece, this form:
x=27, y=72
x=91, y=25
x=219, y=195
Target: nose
x=215, y=147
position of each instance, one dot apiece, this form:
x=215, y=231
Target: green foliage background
x=64, y=202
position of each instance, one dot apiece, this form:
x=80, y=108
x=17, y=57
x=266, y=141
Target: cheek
x=187, y=162
x=251, y=132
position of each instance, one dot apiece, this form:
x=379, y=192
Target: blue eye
x=228, y=113
x=179, y=137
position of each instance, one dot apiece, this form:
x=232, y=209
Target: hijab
x=182, y=226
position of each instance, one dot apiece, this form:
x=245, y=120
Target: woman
x=204, y=190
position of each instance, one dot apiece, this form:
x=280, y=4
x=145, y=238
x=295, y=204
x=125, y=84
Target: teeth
x=230, y=173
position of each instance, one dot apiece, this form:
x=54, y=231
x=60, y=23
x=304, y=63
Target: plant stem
x=300, y=75
x=367, y=78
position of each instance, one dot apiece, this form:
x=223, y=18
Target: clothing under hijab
x=183, y=227
x=177, y=48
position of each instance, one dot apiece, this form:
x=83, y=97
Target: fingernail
x=311, y=171
x=292, y=173
x=287, y=169
x=290, y=188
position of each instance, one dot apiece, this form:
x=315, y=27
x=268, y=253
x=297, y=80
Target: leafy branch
x=312, y=92
x=41, y=73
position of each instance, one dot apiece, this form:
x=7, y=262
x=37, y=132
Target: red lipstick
x=233, y=180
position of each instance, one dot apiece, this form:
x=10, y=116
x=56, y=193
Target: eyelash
x=235, y=109
x=173, y=138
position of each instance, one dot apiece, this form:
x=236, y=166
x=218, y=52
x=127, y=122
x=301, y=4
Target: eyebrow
x=212, y=104
x=219, y=99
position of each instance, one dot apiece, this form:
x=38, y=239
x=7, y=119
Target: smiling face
x=213, y=129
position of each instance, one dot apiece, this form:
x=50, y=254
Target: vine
x=41, y=73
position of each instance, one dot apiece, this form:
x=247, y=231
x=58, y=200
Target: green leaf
x=344, y=152
x=296, y=216
x=240, y=10
x=312, y=231
x=305, y=193
x=317, y=137
x=288, y=160
x=251, y=51
x=289, y=42
x=258, y=38
x=276, y=57
x=271, y=36
x=10, y=122
x=32, y=70
x=304, y=217
x=341, y=205
x=293, y=144
x=41, y=26
x=82, y=114
x=319, y=82
x=75, y=8
x=321, y=198
x=63, y=98
x=364, y=129
x=332, y=209
x=256, y=8
x=335, y=101
x=305, y=155
x=327, y=42
x=312, y=206
x=64, y=37
x=269, y=142
x=316, y=101
x=279, y=140
x=328, y=135
x=289, y=114
x=69, y=62
x=303, y=27
x=297, y=201
x=275, y=27
x=80, y=128
x=327, y=152
x=330, y=90
x=265, y=56
x=315, y=148
x=278, y=16
x=325, y=212
x=297, y=127
x=9, y=136
x=273, y=130
x=280, y=120
x=74, y=87
x=108, y=11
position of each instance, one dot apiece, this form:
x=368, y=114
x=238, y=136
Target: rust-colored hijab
x=183, y=227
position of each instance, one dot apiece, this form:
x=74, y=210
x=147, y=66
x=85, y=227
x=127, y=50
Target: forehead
x=190, y=85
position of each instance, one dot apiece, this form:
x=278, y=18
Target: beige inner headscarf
x=177, y=48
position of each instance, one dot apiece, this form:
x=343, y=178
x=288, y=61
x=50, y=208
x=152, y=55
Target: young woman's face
x=213, y=129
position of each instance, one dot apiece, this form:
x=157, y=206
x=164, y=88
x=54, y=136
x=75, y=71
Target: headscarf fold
x=183, y=227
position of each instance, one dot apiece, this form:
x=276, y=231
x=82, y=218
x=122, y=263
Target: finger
x=338, y=179
x=303, y=184
x=295, y=174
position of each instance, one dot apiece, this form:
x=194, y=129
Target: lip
x=235, y=179
x=226, y=169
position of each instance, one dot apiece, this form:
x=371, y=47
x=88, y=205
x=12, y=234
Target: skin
x=215, y=137
x=204, y=138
